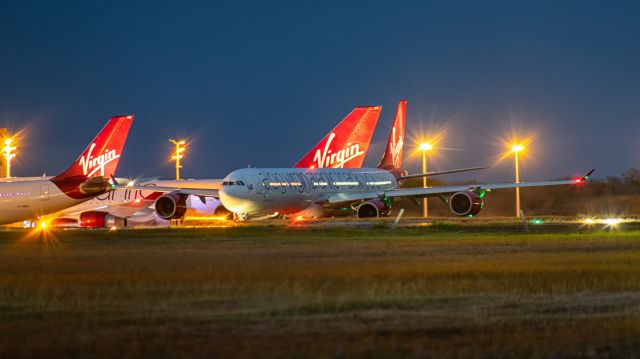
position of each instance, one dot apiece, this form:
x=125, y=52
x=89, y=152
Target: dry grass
x=323, y=292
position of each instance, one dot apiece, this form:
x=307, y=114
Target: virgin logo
x=395, y=147
x=325, y=158
x=91, y=165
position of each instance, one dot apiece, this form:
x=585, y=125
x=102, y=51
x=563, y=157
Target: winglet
x=584, y=178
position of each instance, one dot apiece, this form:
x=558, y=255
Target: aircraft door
x=44, y=192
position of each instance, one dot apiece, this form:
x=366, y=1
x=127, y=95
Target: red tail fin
x=347, y=144
x=103, y=154
x=392, y=158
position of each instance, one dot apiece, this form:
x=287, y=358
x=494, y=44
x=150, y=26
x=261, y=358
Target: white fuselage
x=28, y=198
x=115, y=202
x=264, y=191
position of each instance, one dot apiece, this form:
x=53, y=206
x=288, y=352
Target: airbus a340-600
x=367, y=192
x=31, y=197
x=345, y=146
x=317, y=191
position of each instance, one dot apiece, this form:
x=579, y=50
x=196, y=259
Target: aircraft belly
x=278, y=202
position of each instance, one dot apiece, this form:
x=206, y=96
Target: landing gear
x=240, y=217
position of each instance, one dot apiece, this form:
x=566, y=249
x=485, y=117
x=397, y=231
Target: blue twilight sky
x=260, y=82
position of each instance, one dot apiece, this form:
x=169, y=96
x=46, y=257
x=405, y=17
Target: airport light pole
x=517, y=149
x=425, y=147
x=178, y=154
x=8, y=155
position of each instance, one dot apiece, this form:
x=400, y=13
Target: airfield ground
x=441, y=290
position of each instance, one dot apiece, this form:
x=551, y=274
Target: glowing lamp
x=425, y=146
x=612, y=221
x=8, y=154
x=178, y=154
x=517, y=148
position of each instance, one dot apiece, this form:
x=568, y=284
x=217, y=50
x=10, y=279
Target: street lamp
x=515, y=149
x=178, y=154
x=8, y=155
x=425, y=147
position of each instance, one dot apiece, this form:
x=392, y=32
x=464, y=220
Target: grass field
x=277, y=291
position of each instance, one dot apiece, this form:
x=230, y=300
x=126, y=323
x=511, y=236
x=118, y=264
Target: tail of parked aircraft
x=102, y=155
x=392, y=159
x=347, y=144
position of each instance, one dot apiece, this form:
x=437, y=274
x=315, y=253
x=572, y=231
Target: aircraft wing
x=440, y=190
x=201, y=192
x=119, y=209
x=430, y=174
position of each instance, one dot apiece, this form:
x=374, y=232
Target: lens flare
x=43, y=234
x=612, y=221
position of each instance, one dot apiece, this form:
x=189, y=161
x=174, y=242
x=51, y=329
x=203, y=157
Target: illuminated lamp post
x=8, y=155
x=425, y=147
x=515, y=149
x=178, y=154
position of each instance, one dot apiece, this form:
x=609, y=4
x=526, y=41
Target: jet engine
x=372, y=209
x=171, y=206
x=465, y=203
x=98, y=219
x=65, y=223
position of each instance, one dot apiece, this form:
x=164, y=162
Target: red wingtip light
x=578, y=180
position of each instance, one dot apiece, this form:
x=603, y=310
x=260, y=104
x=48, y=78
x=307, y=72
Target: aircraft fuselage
x=254, y=192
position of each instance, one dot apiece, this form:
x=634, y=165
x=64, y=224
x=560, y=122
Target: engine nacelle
x=372, y=209
x=65, y=223
x=98, y=219
x=465, y=203
x=171, y=206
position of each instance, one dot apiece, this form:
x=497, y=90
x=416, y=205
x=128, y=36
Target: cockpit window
x=229, y=183
x=240, y=183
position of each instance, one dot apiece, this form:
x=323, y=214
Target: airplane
x=89, y=176
x=257, y=193
x=345, y=146
x=366, y=192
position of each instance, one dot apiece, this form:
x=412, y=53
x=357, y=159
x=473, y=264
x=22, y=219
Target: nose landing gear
x=240, y=217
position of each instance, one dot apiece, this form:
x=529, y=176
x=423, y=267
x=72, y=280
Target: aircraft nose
x=233, y=194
